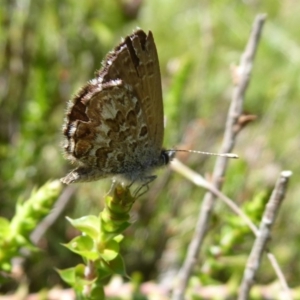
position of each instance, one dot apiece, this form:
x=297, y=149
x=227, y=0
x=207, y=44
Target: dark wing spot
x=102, y=154
x=81, y=101
x=112, y=124
x=114, y=138
x=130, y=48
x=131, y=118
x=143, y=131
x=78, y=112
x=82, y=147
x=120, y=118
x=83, y=131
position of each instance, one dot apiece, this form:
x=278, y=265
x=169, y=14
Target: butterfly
x=114, y=125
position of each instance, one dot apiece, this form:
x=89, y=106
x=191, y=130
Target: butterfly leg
x=139, y=191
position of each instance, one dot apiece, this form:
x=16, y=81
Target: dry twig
x=198, y=180
x=60, y=205
x=262, y=238
x=231, y=131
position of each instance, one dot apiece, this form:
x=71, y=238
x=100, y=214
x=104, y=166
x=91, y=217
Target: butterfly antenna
x=228, y=155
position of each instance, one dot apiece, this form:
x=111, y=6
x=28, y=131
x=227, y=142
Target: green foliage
x=222, y=255
x=99, y=246
x=14, y=235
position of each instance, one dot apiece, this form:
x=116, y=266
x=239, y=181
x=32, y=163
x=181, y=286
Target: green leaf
x=110, y=250
x=67, y=275
x=103, y=270
x=98, y=293
x=119, y=238
x=75, y=277
x=88, y=225
x=112, y=227
x=84, y=246
x=118, y=266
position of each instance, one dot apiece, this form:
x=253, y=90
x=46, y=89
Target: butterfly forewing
x=135, y=61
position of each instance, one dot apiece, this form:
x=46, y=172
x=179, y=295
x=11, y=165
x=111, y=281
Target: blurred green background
x=49, y=49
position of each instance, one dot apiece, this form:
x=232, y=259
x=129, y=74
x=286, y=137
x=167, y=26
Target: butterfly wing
x=135, y=62
x=115, y=123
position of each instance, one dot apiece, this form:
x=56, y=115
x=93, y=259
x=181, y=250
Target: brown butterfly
x=114, y=125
